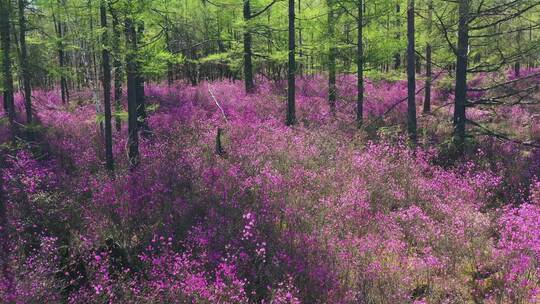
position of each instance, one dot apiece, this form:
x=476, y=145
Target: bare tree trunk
x=301, y=66
x=397, y=56
x=291, y=115
x=332, y=92
x=60, y=32
x=106, y=88
x=360, y=66
x=141, y=106
x=133, y=136
x=170, y=72
x=248, y=65
x=429, y=75
x=9, y=102
x=411, y=76
x=461, y=76
x=118, y=71
x=9, y=107
x=24, y=63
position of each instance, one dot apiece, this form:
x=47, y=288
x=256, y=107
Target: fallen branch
x=218, y=105
x=219, y=147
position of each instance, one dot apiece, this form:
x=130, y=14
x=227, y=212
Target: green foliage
x=122, y=115
x=155, y=63
x=188, y=34
x=152, y=107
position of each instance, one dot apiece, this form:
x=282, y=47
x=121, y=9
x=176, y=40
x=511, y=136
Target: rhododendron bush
x=316, y=213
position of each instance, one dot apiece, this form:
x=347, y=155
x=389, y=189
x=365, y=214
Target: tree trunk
x=427, y=90
x=397, y=56
x=360, y=66
x=248, y=65
x=301, y=66
x=5, y=38
x=291, y=115
x=411, y=76
x=331, y=59
x=106, y=88
x=170, y=72
x=118, y=73
x=60, y=32
x=24, y=63
x=461, y=76
x=141, y=106
x=133, y=136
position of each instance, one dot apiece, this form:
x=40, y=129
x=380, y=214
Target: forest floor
x=316, y=213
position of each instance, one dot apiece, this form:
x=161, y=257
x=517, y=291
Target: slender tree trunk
x=332, y=92
x=133, y=136
x=118, y=71
x=24, y=63
x=141, y=102
x=411, y=75
x=106, y=88
x=360, y=66
x=301, y=65
x=60, y=32
x=461, y=76
x=248, y=65
x=5, y=38
x=9, y=108
x=397, y=56
x=291, y=115
x=429, y=75
x=94, y=72
x=170, y=73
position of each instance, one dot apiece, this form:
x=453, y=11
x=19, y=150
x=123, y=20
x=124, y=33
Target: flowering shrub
x=519, y=244
x=316, y=213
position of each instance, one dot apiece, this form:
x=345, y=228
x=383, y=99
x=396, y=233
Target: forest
x=270, y=151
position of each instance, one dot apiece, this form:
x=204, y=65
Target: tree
x=360, y=65
x=291, y=117
x=117, y=63
x=139, y=85
x=429, y=75
x=24, y=62
x=131, y=68
x=397, y=55
x=106, y=87
x=482, y=28
x=5, y=42
x=248, y=52
x=332, y=90
x=411, y=74
x=248, y=65
x=60, y=27
x=461, y=74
